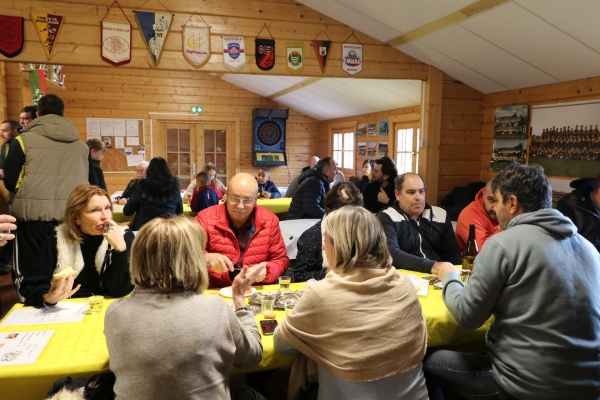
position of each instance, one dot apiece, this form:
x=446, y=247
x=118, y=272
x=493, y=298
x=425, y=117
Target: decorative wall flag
x=116, y=43
x=196, y=44
x=234, y=53
x=295, y=57
x=37, y=84
x=48, y=28
x=265, y=53
x=11, y=35
x=352, y=58
x=154, y=27
x=322, y=50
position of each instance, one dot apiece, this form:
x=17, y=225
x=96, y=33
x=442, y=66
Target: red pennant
x=11, y=35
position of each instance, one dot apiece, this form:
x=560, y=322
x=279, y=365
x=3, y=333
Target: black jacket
x=309, y=199
x=579, y=207
x=99, y=175
x=152, y=198
x=370, y=193
x=418, y=247
x=128, y=192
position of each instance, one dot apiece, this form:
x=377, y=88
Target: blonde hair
x=356, y=236
x=169, y=253
x=77, y=202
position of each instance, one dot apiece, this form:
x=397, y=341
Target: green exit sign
x=196, y=110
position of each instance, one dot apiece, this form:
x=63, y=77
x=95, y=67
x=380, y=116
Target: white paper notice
x=132, y=128
x=107, y=127
x=119, y=142
x=18, y=348
x=119, y=127
x=62, y=313
x=133, y=141
x=93, y=128
x=134, y=159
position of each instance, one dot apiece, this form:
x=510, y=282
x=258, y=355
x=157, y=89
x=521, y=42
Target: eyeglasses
x=245, y=202
x=25, y=119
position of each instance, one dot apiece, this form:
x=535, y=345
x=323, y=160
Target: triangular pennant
x=265, y=53
x=154, y=27
x=11, y=35
x=116, y=43
x=234, y=53
x=196, y=44
x=352, y=58
x=294, y=57
x=322, y=50
x=48, y=28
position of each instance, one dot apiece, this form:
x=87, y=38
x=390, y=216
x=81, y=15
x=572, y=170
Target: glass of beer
x=96, y=303
x=284, y=283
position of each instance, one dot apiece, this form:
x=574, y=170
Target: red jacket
x=266, y=243
x=474, y=213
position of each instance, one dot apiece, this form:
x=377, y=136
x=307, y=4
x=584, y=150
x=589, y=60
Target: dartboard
x=269, y=133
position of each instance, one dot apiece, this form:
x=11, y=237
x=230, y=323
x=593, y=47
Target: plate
x=226, y=292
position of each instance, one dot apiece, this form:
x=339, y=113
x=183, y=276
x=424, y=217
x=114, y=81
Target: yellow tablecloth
x=277, y=206
x=79, y=349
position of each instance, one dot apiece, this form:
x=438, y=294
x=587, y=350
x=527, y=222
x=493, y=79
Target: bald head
x=241, y=198
x=243, y=186
x=313, y=161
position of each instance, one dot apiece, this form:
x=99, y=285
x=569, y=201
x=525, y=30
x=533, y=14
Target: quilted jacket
x=265, y=243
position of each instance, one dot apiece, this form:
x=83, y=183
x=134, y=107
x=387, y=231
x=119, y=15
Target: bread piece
x=65, y=273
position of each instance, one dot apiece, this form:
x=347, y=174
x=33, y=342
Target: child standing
x=204, y=196
x=97, y=152
x=266, y=187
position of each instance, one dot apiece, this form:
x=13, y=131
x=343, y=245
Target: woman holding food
x=88, y=254
x=360, y=331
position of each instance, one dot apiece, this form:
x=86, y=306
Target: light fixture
x=196, y=110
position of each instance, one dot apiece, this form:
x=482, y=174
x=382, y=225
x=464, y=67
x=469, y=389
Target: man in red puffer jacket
x=240, y=233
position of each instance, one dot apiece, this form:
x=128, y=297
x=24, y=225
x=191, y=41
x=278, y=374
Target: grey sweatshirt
x=541, y=281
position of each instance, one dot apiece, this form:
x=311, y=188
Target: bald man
x=313, y=161
x=240, y=233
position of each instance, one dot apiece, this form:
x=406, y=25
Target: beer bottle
x=471, y=250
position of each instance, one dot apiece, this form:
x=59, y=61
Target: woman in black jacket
x=157, y=194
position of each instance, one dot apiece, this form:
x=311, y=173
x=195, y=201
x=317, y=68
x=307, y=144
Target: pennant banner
x=352, y=58
x=11, y=35
x=295, y=57
x=154, y=27
x=116, y=43
x=234, y=53
x=196, y=44
x=322, y=49
x=265, y=53
x=48, y=27
x=37, y=84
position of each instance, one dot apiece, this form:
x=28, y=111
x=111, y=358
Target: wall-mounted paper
x=132, y=128
x=119, y=127
x=134, y=159
x=119, y=142
x=107, y=127
x=93, y=128
x=133, y=141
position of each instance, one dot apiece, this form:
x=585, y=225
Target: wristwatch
x=242, y=308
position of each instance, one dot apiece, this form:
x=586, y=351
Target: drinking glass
x=96, y=303
x=267, y=304
x=284, y=283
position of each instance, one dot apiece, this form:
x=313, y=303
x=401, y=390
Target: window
x=407, y=150
x=178, y=152
x=215, y=148
x=343, y=148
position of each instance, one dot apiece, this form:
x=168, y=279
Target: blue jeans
x=465, y=374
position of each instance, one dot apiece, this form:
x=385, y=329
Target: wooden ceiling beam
x=295, y=87
x=450, y=19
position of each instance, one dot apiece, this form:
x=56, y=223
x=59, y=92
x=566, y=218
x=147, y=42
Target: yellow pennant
x=47, y=26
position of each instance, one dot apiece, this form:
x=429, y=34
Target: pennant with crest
x=12, y=31
x=154, y=27
x=196, y=42
x=116, y=40
x=295, y=57
x=234, y=53
x=352, y=56
x=322, y=49
x=48, y=27
x=264, y=51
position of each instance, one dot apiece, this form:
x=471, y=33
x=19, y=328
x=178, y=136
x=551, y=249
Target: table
x=277, y=206
x=79, y=349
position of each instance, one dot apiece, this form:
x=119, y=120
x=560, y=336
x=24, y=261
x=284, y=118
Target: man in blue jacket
x=309, y=199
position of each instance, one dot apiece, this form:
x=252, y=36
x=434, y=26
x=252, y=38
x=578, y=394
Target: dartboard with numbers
x=269, y=133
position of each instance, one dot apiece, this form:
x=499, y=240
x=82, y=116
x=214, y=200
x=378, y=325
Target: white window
x=407, y=150
x=343, y=148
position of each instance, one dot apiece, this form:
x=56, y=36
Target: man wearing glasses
x=28, y=114
x=240, y=233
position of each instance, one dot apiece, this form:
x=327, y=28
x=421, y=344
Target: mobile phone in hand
x=267, y=326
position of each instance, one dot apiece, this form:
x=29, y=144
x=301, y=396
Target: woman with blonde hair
x=360, y=331
x=169, y=340
x=89, y=242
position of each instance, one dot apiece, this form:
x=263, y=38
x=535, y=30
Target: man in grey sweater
x=540, y=281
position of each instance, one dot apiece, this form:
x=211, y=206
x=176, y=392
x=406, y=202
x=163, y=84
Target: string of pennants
x=154, y=26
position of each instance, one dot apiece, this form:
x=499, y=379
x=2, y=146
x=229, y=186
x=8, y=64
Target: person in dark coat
x=156, y=195
x=204, y=196
x=97, y=152
x=582, y=206
x=140, y=173
x=309, y=199
x=379, y=193
x=368, y=166
x=266, y=187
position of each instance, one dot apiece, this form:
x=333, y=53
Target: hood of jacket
x=159, y=188
x=316, y=173
x=55, y=128
x=551, y=220
x=583, y=187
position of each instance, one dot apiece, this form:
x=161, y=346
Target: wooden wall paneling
x=3, y=105
x=14, y=90
x=429, y=155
